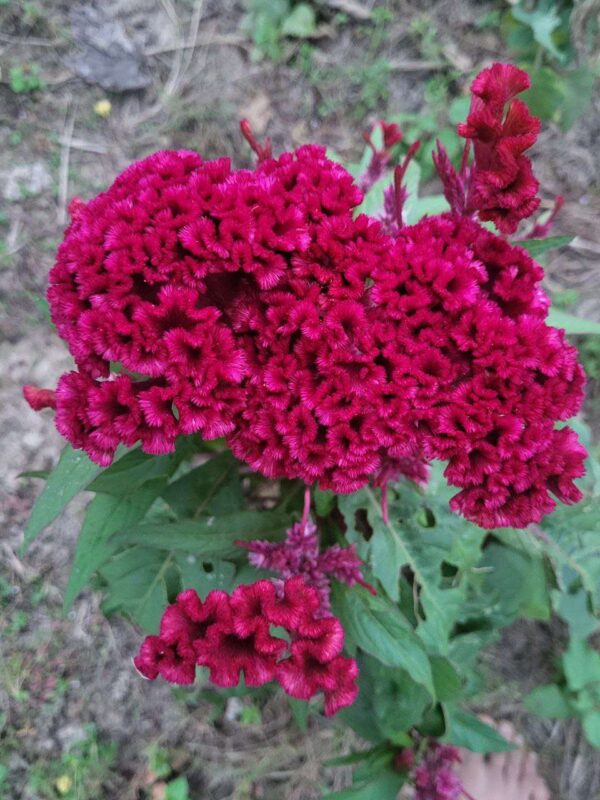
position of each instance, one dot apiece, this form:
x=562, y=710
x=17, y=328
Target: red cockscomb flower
x=231, y=636
x=502, y=186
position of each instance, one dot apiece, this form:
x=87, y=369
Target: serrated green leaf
x=106, y=515
x=548, y=701
x=71, y=475
x=212, y=537
x=212, y=488
x=535, y=247
x=409, y=543
x=572, y=324
x=468, y=731
x=378, y=628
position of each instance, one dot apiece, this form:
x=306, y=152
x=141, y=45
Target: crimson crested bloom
x=158, y=274
x=299, y=555
x=477, y=377
x=231, y=635
x=502, y=186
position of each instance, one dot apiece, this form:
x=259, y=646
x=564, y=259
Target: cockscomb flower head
x=161, y=274
x=479, y=378
x=231, y=636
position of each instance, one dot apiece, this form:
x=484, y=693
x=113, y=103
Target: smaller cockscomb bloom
x=300, y=555
x=231, y=635
x=502, y=187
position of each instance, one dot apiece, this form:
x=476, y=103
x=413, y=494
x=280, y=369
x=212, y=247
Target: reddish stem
x=369, y=141
x=384, y=503
x=464, y=162
x=371, y=589
x=306, y=511
x=263, y=152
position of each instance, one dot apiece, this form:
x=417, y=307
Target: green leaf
x=581, y=665
x=136, y=583
x=535, y=247
x=548, y=701
x=211, y=536
x=106, y=515
x=446, y=680
x=378, y=627
x=178, y=789
x=301, y=23
x=42, y=474
x=572, y=324
x=385, y=784
x=591, y=727
x=543, y=20
x=203, y=576
x=406, y=540
x=212, y=488
x=430, y=204
x=412, y=179
x=468, y=731
x=399, y=704
x=374, y=199
x=516, y=583
x=325, y=501
x=575, y=610
x=300, y=712
x=132, y=470
x=73, y=473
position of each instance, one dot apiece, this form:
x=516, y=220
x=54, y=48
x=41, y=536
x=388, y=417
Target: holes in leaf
x=426, y=518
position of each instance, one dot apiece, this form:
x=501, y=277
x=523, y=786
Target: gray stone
x=107, y=56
